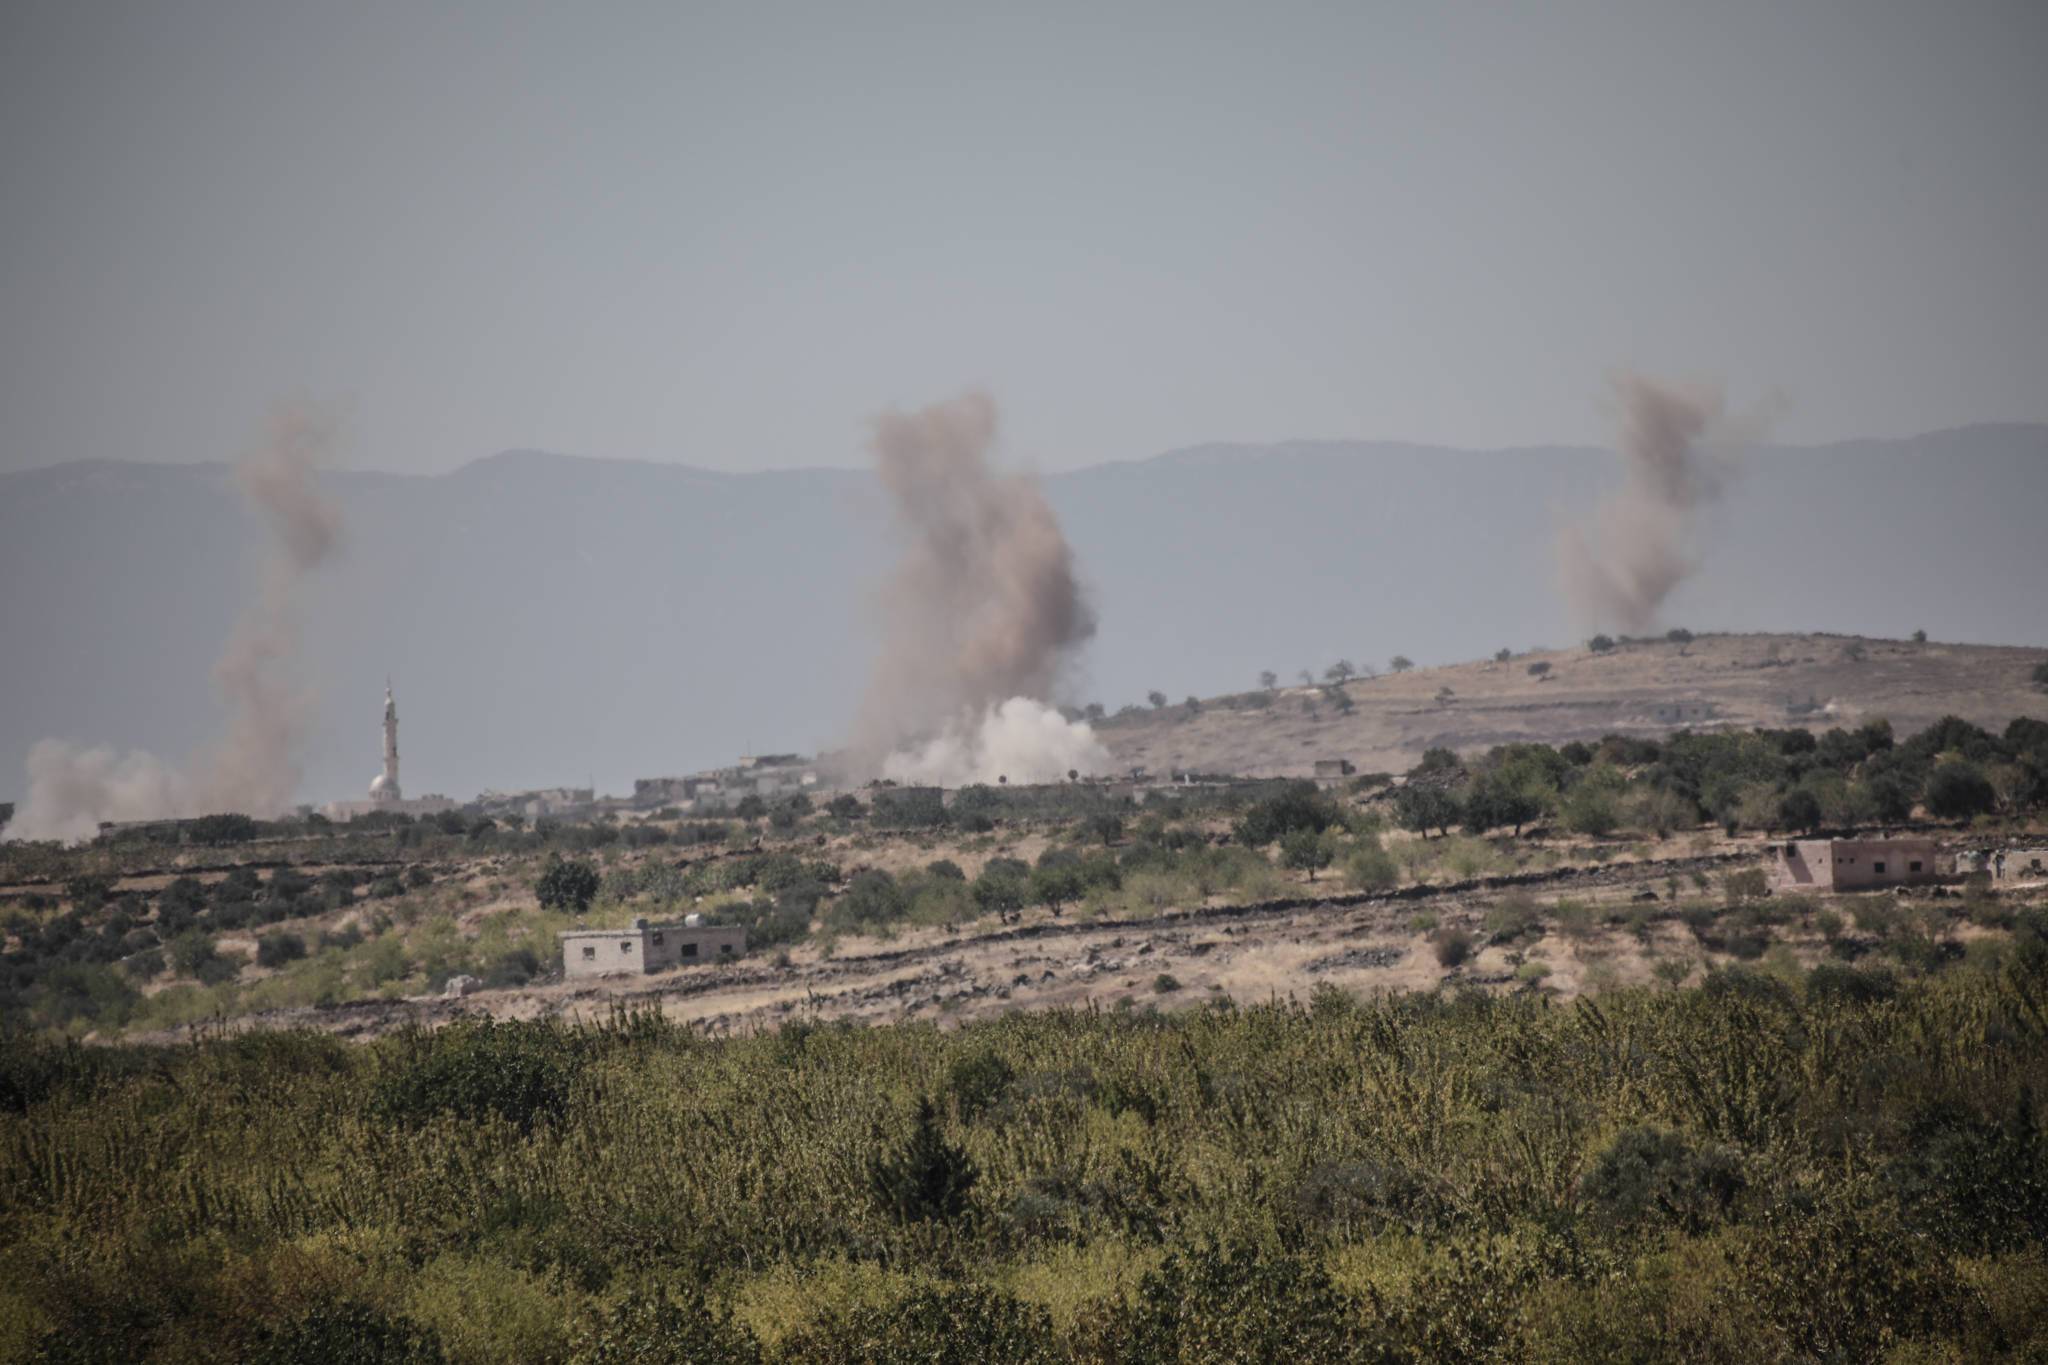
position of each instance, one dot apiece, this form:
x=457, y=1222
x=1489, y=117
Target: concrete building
x=385, y=795
x=1854, y=864
x=647, y=948
x=2008, y=866
x=1334, y=769
x=768, y=776
x=1686, y=712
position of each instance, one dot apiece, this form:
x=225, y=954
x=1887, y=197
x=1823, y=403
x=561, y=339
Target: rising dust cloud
x=1643, y=539
x=254, y=767
x=982, y=616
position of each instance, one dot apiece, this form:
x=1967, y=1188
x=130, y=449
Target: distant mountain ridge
x=553, y=618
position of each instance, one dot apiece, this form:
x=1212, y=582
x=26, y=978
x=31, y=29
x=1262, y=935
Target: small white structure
x=648, y=948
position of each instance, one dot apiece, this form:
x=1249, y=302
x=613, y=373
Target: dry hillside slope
x=1817, y=681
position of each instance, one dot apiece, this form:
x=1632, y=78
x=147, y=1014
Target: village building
x=1334, y=769
x=2006, y=865
x=1684, y=712
x=2025, y=864
x=647, y=948
x=768, y=776
x=1854, y=864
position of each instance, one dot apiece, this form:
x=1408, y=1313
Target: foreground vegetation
x=1839, y=1166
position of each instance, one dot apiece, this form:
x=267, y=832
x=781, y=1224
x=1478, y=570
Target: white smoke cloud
x=981, y=617
x=71, y=789
x=254, y=767
x=1019, y=741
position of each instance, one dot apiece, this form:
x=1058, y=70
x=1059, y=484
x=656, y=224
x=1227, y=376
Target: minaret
x=388, y=784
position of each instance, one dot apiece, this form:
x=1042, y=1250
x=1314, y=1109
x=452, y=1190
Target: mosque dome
x=378, y=785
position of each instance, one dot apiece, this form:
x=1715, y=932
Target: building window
x=1913, y=866
x=626, y=946
x=1877, y=868
x=689, y=950
x=590, y=952
x=725, y=948
x=657, y=940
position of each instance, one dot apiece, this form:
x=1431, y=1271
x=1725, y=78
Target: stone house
x=2020, y=864
x=1854, y=864
x=647, y=948
x=1683, y=712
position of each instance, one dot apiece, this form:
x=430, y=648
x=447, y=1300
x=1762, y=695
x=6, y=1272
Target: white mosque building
x=385, y=795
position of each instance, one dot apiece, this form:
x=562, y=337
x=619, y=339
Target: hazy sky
x=726, y=235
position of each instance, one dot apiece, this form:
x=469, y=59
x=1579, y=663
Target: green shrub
x=979, y=1081
x=928, y=1179
x=567, y=884
x=935, y=1325
x=654, y=1329
x=275, y=950
x=871, y=901
x=347, y=1334
x=1452, y=946
x=1650, y=1175
x=1516, y=915
x=1235, y=1303
x=1841, y=1283
x=1301, y=807
x=474, y=1067
x=1829, y=981
x=1371, y=868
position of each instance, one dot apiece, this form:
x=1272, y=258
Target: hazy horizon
x=1250, y=447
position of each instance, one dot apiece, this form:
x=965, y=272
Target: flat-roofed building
x=646, y=947
x=1854, y=864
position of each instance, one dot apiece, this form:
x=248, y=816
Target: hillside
x=1741, y=680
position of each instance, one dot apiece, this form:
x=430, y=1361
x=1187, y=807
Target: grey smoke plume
x=984, y=605
x=1641, y=544
x=254, y=768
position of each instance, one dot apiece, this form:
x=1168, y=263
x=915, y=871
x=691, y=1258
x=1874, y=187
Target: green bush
x=651, y=1328
x=1453, y=947
x=474, y=1067
x=1957, y=790
x=928, y=1179
x=1236, y=1303
x=1650, y=1176
x=1301, y=807
x=1842, y=1283
x=275, y=950
x=347, y=1334
x=942, y=1325
x=566, y=884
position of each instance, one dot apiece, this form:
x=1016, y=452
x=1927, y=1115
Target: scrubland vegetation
x=1838, y=1165
x=1809, y=1131
x=311, y=915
